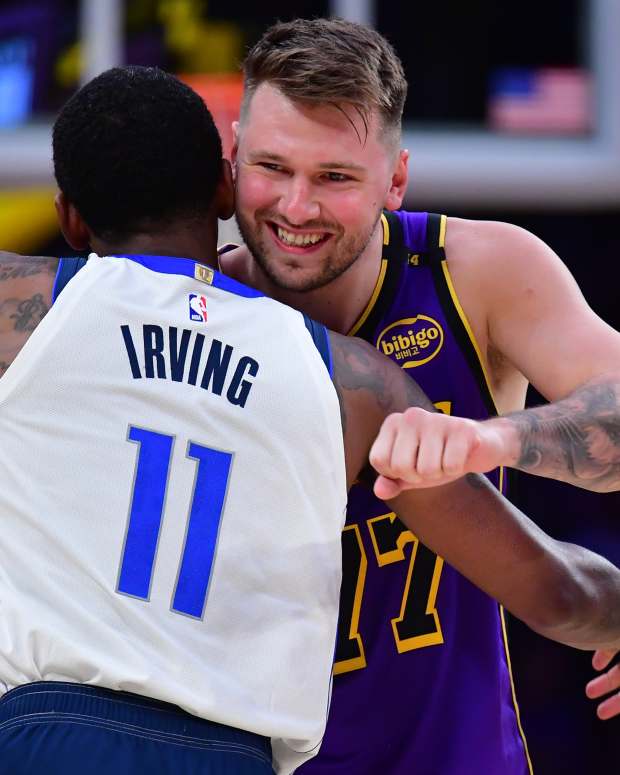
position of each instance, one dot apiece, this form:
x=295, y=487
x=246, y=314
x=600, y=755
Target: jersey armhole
x=67, y=269
x=320, y=337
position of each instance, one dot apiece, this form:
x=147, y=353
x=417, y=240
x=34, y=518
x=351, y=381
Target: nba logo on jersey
x=198, y=307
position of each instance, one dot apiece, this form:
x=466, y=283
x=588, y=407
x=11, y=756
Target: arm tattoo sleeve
x=577, y=439
x=359, y=367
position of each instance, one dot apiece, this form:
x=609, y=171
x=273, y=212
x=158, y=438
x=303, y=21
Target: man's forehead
x=270, y=106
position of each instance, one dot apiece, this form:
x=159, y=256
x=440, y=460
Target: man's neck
x=200, y=245
x=338, y=305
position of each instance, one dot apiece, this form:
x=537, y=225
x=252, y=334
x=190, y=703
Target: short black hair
x=136, y=148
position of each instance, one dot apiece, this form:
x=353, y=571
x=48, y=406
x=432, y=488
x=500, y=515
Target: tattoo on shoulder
x=356, y=369
x=25, y=314
x=3, y=367
x=14, y=267
x=359, y=367
x=29, y=313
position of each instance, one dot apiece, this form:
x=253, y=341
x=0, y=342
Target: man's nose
x=298, y=203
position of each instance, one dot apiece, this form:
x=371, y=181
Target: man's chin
x=296, y=281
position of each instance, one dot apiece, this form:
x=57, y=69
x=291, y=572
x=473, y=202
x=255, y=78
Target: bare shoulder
x=25, y=281
x=366, y=378
x=16, y=267
x=26, y=284
x=496, y=247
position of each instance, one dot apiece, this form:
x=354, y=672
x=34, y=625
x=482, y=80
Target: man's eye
x=269, y=166
x=336, y=177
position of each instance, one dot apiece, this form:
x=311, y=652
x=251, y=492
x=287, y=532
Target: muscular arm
x=562, y=591
x=537, y=323
x=576, y=440
x=26, y=284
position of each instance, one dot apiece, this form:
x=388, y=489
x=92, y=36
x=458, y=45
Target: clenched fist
x=417, y=448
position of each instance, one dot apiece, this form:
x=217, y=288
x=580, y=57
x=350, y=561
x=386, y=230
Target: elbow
x=560, y=608
x=568, y=600
x=581, y=600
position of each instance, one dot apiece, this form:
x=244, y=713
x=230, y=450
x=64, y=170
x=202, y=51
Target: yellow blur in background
x=27, y=218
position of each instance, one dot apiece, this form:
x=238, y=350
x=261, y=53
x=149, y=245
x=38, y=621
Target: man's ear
x=235, y=146
x=224, y=200
x=73, y=228
x=398, y=184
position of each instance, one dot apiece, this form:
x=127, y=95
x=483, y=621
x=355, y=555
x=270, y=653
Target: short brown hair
x=329, y=61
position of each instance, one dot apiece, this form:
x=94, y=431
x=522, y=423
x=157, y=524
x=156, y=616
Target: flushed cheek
x=350, y=209
x=254, y=191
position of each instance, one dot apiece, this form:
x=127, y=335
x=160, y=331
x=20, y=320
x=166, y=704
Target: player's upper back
x=174, y=464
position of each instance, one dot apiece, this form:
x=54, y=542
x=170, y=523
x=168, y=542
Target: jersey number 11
x=146, y=514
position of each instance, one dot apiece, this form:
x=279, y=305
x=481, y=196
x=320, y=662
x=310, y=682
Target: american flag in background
x=541, y=101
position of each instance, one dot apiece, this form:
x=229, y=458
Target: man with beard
x=473, y=310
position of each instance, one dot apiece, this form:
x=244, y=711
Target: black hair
x=136, y=148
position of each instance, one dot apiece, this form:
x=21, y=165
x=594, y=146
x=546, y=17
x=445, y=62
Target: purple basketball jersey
x=422, y=682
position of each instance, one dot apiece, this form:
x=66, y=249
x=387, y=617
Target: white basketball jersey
x=173, y=492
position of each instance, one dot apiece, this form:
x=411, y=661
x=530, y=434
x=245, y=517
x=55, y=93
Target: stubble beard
x=348, y=250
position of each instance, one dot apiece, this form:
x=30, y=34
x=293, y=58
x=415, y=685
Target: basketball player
x=163, y=433
x=473, y=310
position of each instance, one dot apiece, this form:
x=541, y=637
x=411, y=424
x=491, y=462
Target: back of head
x=136, y=149
x=330, y=61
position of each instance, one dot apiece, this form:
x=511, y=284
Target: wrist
x=507, y=438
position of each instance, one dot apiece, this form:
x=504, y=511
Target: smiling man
x=473, y=310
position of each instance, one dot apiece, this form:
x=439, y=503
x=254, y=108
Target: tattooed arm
x=533, y=324
x=26, y=284
x=562, y=591
x=540, y=322
x=575, y=440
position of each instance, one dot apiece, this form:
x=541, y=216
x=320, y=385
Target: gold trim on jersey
x=378, y=285
x=397, y=554
x=443, y=222
x=359, y=662
x=432, y=638
x=468, y=328
x=512, y=688
x=470, y=333
x=373, y=299
x=386, y=229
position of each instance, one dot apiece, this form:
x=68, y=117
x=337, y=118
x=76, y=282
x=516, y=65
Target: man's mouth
x=298, y=241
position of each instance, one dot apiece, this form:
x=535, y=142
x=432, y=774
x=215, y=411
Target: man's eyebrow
x=342, y=165
x=267, y=155
x=327, y=165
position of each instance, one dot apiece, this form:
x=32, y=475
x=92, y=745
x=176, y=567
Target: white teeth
x=298, y=239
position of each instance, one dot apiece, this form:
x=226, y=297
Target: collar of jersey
x=186, y=266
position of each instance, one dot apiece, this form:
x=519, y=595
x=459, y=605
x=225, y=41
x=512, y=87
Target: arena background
x=513, y=114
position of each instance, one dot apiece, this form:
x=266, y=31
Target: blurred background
x=513, y=114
